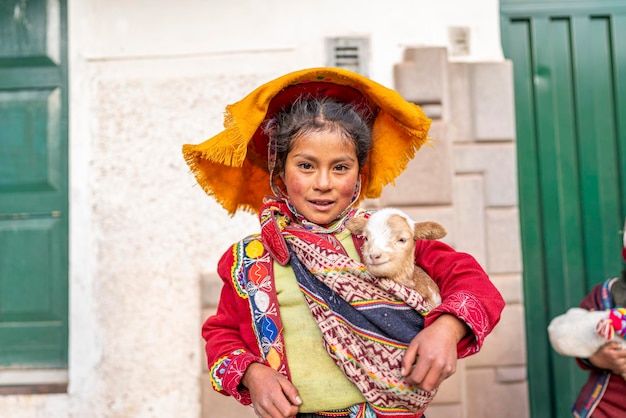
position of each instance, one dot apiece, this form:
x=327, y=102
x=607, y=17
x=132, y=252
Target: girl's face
x=321, y=173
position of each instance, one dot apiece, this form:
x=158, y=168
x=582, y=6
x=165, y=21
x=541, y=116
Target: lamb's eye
x=402, y=240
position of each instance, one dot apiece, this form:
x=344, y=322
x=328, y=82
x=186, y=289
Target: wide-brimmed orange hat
x=232, y=166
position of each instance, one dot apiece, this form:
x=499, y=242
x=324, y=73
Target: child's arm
x=235, y=363
x=466, y=292
x=470, y=309
x=231, y=344
x=434, y=351
x=610, y=357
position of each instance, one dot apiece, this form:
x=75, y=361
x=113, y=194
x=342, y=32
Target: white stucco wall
x=145, y=78
x=248, y=36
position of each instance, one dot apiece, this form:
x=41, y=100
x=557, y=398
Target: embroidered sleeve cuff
x=467, y=308
x=227, y=372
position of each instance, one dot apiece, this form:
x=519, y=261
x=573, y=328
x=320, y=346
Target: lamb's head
x=390, y=235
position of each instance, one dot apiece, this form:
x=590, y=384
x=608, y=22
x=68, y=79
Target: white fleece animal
x=580, y=333
x=389, y=249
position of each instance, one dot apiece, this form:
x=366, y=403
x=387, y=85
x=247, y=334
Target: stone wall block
x=498, y=162
x=511, y=374
x=211, y=288
x=461, y=111
x=469, y=211
x=504, y=253
x=487, y=398
x=427, y=179
x=445, y=411
x=422, y=75
x=510, y=287
x=422, y=78
x=492, y=100
x=506, y=345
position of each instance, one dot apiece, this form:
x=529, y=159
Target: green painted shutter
x=570, y=86
x=33, y=184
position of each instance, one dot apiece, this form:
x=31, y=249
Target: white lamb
x=389, y=249
x=580, y=332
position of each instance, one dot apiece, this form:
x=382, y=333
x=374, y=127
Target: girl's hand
x=273, y=396
x=610, y=357
x=432, y=355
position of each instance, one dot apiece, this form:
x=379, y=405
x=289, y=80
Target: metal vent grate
x=349, y=53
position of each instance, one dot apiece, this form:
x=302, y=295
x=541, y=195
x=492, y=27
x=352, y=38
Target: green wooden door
x=33, y=184
x=569, y=62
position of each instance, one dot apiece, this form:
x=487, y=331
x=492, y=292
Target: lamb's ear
x=428, y=230
x=356, y=225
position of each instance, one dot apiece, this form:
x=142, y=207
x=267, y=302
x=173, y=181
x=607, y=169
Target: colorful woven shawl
x=366, y=322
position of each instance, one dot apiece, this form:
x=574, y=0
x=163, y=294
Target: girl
x=301, y=328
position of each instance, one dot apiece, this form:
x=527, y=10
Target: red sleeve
x=593, y=300
x=466, y=291
x=230, y=342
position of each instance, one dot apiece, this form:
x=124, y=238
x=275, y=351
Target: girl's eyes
x=309, y=166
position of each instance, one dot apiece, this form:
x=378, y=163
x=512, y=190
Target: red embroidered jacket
x=245, y=328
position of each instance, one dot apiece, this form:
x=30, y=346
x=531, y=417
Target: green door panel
x=24, y=28
x=33, y=185
x=31, y=145
x=569, y=74
x=33, y=322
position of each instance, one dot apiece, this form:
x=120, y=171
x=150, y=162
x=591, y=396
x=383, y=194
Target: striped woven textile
x=367, y=323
